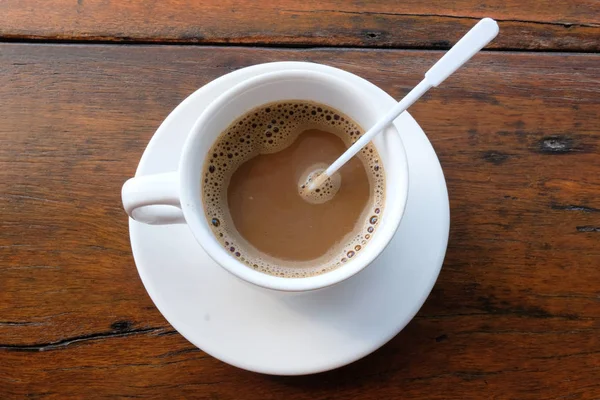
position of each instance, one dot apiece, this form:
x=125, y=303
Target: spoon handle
x=480, y=35
x=476, y=39
x=391, y=115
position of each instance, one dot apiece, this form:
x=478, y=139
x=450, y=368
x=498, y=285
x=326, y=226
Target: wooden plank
x=514, y=314
x=534, y=25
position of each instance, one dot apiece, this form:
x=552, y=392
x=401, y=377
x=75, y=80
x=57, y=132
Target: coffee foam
x=269, y=129
x=323, y=193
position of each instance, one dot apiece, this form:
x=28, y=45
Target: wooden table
x=84, y=84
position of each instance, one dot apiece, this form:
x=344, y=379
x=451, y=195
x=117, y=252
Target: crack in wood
x=588, y=228
x=19, y=323
x=570, y=207
x=441, y=338
x=178, y=352
x=557, y=144
x=426, y=15
x=260, y=43
x=495, y=157
x=60, y=344
x=168, y=333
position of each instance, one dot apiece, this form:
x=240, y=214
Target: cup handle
x=153, y=199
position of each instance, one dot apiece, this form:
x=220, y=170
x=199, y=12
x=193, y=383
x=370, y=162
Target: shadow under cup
x=280, y=86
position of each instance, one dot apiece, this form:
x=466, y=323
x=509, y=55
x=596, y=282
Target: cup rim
x=193, y=208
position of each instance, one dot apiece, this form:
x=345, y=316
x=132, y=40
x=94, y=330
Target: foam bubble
x=269, y=129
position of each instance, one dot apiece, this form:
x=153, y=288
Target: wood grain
x=535, y=25
x=514, y=314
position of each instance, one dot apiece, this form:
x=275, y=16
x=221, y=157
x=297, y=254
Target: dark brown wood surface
x=569, y=25
x=514, y=314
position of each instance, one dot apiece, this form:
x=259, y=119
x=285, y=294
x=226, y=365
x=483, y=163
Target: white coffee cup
x=175, y=197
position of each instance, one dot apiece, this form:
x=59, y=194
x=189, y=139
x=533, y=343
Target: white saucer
x=292, y=333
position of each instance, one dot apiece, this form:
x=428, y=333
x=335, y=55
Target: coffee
x=256, y=200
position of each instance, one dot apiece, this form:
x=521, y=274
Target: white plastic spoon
x=477, y=38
